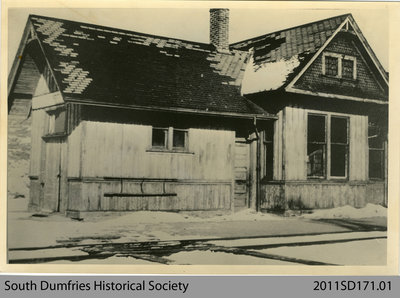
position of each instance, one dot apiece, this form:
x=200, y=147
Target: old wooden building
x=125, y=121
x=330, y=93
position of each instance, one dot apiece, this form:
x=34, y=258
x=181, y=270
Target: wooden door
x=51, y=176
x=242, y=165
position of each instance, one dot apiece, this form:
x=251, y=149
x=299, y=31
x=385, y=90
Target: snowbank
x=370, y=210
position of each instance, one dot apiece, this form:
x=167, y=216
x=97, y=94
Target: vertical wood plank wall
x=292, y=189
x=358, y=148
x=123, y=150
x=202, y=178
x=295, y=138
x=278, y=140
x=292, y=125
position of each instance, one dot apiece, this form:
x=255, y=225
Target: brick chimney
x=219, y=29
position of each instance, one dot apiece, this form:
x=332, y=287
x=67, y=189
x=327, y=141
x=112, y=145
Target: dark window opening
x=59, y=122
x=179, y=138
x=331, y=66
x=316, y=146
x=376, y=151
x=269, y=151
x=159, y=137
x=339, y=145
x=347, y=68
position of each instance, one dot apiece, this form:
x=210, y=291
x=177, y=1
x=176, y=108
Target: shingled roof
x=105, y=65
x=282, y=54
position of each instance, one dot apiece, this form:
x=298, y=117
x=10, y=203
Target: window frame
x=325, y=153
x=381, y=149
x=169, y=137
x=53, y=115
x=340, y=58
x=328, y=146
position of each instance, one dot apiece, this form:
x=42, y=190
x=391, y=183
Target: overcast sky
x=193, y=23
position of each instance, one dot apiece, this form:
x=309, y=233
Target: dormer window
x=339, y=66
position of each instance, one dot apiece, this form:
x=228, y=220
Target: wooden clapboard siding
x=124, y=150
x=189, y=196
x=278, y=146
x=295, y=138
x=358, y=157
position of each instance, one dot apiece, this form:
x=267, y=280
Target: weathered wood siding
x=358, y=148
x=290, y=147
x=123, y=150
x=107, y=159
x=278, y=147
x=75, y=141
x=189, y=195
x=295, y=138
x=318, y=195
x=39, y=126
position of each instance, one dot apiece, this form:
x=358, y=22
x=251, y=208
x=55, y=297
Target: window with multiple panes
x=331, y=66
x=169, y=138
x=159, y=137
x=339, y=66
x=376, y=151
x=327, y=136
x=347, y=68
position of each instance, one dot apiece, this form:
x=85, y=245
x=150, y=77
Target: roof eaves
x=174, y=110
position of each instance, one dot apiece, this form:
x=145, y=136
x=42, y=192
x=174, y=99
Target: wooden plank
x=358, y=159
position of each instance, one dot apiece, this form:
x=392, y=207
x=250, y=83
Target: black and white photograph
x=198, y=135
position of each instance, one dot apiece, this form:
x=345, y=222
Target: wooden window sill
x=156, y=150
x=54, y=135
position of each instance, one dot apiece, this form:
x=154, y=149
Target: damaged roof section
x=105, y=65
x=284, y=53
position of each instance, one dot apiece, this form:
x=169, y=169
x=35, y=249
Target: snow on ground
x=27, y=231
x=370, y=210
x=220, y=258
x=354, y=253
x=297, y=239
x=24, y=230
x=115, y=260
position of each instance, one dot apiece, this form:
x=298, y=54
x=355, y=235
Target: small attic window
x=339, y=66
x=348, y=68
x=331, y=66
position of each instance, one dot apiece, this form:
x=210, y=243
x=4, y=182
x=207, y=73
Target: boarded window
x=339, y=146
x=331, y=66
x=376, y=152
x=179, y=139
x=316, y=145
x=159, y=137
x=347, y=68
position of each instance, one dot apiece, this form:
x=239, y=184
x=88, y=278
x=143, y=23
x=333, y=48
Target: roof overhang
x=336, y=96
x=172, y=110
